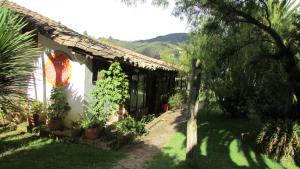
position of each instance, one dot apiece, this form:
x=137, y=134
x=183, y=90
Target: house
x=73, y=60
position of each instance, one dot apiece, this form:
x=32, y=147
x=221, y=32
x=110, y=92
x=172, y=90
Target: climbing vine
x=111, y=91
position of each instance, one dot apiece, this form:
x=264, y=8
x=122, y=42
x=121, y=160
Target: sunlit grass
x=28, y=151
x=220, y=146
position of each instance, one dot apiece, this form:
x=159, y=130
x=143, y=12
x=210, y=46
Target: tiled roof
x=68, y=37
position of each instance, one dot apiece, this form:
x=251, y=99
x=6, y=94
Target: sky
x=105, y=18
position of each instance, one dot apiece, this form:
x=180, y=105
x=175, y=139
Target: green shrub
x=36, y=107
x=279, y=138
x=130, y=126
x=110, y=92
x=88, y=120
x=58, y=107
x=178, y=99
x=147, y=118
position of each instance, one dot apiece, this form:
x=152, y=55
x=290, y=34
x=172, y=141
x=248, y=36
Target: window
x=138, y=90
x=97, y=66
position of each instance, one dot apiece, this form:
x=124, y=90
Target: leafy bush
x=111, y=91
x=279, y=138
x=130, y=126
x=178, y=99
x=36, y=107
x=58, y=105
x=88, y=120
x=147, y=118
x=16, y=114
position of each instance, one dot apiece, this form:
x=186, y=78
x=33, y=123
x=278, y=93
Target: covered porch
x=149, y=89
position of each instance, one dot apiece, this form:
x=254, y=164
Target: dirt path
x=161, y=129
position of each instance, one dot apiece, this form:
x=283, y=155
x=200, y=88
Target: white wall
x=88, y=80
x=80, y=81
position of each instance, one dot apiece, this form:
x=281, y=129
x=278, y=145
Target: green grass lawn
x=27, y=151
x=221, y=147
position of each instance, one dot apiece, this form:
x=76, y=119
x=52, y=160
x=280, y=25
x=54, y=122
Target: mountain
x=174, y=38
x=166, y=47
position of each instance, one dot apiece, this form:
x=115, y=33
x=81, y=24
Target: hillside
x=174, y=38
x=166, y=47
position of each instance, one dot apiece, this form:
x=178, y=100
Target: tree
x=17, y=52
x=274, y=19
x=253, y=42
x=256, y=60
x=193, y=109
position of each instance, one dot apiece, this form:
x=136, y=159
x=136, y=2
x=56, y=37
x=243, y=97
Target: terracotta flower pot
x=92, y=133
x=165, y=107
x=55, y=124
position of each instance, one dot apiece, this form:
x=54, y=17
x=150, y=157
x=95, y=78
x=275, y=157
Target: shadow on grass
x=9, y=145
x=34, y=153
x=223, y=144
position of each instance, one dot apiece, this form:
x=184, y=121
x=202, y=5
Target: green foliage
x=59, y=106
x=279, y=138
x=130, y=126
x=147, y=118
x=88, y=120
x=36, y=107
x=247, y=59
x=240, y=61
x=110, y=92
x=17, y=53
x=178, y=99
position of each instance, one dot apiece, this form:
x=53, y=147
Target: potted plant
x=57, y=109
x=165, y=105
x=35, y=109
x=128, y=129
x=91, y=125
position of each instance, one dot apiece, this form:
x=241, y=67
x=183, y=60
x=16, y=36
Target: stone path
x=161, y=129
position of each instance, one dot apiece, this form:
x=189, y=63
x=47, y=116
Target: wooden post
x=193, y=108
x=44, y=81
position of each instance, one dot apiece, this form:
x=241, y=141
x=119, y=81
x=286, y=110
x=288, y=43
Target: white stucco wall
x=80, y=81
x=88, y=80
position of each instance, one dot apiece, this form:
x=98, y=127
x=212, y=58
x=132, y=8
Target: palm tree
x=17, y=52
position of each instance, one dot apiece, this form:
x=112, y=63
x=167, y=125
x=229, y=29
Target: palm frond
x=17, y=53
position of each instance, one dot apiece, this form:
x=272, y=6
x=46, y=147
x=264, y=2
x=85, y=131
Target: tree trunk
x=291, y=68
x=193, y=108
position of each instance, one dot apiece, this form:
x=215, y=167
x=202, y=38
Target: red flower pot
x=165, y=107
x=55, y=124
x=92, y=133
